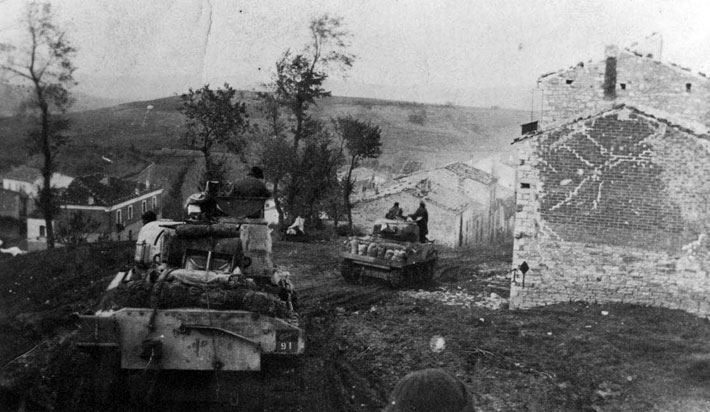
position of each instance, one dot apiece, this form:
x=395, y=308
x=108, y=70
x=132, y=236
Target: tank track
x=406, y=276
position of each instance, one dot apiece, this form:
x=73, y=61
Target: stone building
x=632, y=76
x=467, y=204
x=116, y=205
x=615, y=207
x=454, y=219
x=495, y=222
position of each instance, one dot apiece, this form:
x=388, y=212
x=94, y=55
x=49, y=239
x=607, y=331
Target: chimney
x=611, y=53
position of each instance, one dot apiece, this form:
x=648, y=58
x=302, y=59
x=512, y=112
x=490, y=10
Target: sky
x=471, y=52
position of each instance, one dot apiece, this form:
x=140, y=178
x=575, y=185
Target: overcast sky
x=419, y=49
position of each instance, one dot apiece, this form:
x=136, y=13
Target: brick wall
x=614, y=208
x=646, y=82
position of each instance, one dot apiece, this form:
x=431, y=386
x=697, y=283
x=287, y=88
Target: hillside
x=128, y=133
x=12, y=96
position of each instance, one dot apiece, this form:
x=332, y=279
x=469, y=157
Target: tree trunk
x=347, y=190
x=46, y=201
x=208, y=167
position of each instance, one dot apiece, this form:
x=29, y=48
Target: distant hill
x=12, y=98
x=430, y=134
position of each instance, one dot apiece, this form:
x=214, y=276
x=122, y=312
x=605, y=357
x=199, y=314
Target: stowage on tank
x=202, y=295
x=391, y=253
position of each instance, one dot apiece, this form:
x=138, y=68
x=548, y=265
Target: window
x=130, y=212
x=119, y=216
x=154, y=201
x=623, y=86
x=687, y=87
x=144, y=207
x=42, y=231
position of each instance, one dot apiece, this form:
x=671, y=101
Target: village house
x=466, y=205
x=611, y=189
x=116, y=205
x=20, y=187
x=497, y=219
x=613, y=207
x=454, y=218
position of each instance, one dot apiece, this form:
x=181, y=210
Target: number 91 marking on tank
x=286, y=342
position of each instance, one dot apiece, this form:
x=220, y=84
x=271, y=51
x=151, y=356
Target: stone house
x=633, y=76
x=454, y=219
x=497, y=219
x=116, y=205
x=466, y=205
x=614, y=207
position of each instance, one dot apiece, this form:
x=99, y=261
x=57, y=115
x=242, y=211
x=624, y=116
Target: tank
x=391, y=253
x=202, y=295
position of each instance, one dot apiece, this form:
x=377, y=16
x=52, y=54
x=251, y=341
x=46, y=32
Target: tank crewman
x=203, y=205
x=430, y=390
x=395, y=212
x=421, y=216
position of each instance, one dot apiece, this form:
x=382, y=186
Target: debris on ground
x=363, y=338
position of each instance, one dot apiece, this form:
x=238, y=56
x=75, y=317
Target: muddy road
x=65, y=378
x=362, y=338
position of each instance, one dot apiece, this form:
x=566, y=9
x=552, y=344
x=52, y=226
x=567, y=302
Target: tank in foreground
x=202, y=296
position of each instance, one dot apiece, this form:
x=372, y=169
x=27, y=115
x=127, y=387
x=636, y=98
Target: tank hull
x=192, y=339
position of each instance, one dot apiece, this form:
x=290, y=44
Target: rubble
x=459, y=298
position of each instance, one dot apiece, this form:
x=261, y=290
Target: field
x=128, y=134
x=363, y=338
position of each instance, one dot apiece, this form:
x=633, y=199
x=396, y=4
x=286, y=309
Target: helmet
x=430, y=390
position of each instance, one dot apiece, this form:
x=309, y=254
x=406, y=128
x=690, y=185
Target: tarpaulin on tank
x=192, y=231
x=175, y=294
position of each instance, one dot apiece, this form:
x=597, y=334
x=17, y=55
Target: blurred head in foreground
x=430, y=390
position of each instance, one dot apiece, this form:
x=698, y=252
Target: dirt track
x=325, y=379
x=362, y=338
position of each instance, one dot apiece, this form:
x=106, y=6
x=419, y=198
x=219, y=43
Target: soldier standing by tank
x=421, y=216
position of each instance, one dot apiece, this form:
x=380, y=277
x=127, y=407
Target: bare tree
x=45, y=62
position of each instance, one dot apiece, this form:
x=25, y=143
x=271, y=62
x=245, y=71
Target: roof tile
x=105, y=190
